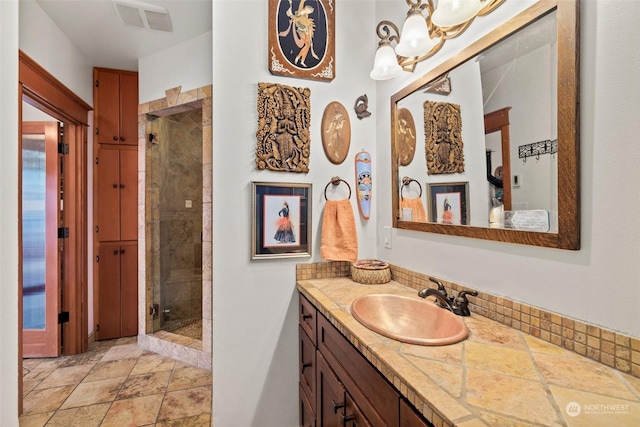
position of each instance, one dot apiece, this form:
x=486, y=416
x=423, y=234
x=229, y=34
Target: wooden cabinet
x=116, y=106
x=348, y=390
x=117, y=187
x=115, y=207
x=118, y=291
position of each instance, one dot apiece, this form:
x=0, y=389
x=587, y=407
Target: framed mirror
x=500, y=117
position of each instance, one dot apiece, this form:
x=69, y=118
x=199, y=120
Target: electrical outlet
x=387, y=236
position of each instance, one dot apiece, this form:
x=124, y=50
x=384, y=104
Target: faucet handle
x=462, y=303
x=441, y=289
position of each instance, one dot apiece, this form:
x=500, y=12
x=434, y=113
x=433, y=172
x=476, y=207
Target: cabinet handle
x=122, y=138
x=115, y=138
x=115, y=185
x=121, y=185
x=346, y=419
x=121, y=251
x=306, y=316
x=306, y=365
x=336, y=406
x=115, y=252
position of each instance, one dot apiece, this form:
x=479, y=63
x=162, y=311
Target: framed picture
x=448, y=203
x=302, y=39
x=280, y=220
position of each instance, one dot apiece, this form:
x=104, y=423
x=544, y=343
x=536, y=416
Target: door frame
x=42, y=90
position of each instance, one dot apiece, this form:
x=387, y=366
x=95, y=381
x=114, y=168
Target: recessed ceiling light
x=143, y=15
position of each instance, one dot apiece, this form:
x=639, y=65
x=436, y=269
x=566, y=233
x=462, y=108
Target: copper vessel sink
x=409, y=320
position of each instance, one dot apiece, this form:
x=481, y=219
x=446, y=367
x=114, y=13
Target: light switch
x=387, y=236
x=188, y=204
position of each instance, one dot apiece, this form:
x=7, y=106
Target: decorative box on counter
x=370, y=272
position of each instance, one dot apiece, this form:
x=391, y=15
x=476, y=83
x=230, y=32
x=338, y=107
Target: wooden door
x=129, y=289
x=330, y=395
x=107, y=106
x=129, y=108
x=128, y=183
x=108, y=314
x=108, y=195
x=40, y=244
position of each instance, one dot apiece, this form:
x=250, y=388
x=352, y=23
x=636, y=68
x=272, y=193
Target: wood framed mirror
x=560, y=168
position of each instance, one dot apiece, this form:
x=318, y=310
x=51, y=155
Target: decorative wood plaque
x=302, y=38
x=443, y=138
x=406, y=136
x=336, y=132
x=284, y=117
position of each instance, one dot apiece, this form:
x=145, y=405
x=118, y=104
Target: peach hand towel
x=417, y=209
x=339, y=238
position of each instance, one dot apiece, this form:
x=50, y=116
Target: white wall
x=9, y=212
x=46, y=44
x=255, y=353
x=186, y=64
x=599, y=283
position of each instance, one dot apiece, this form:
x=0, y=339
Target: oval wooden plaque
x=406, y=136
x=336, y=132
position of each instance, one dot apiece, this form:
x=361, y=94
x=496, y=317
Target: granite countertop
x=497, y=376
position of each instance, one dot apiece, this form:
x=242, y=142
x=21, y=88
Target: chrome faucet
x=458, y=305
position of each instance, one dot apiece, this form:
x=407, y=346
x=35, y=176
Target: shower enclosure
x=175, y=225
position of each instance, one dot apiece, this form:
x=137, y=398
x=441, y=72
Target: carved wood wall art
x=302, y=38
x=406, y=136
x=336, y=132
x=284, y=117
x=443, y=138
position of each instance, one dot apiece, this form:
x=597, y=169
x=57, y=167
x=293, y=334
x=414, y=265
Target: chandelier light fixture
x=424, y=32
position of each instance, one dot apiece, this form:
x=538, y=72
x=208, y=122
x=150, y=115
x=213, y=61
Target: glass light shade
x=414, y=39
x=455, y=12
x=385, y=64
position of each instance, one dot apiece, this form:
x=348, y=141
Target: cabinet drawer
x=377, y=399
x=307, y=360
x=307, y=314
x=307, y=415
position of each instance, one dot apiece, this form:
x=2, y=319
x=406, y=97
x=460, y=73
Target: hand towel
x=417, y=209
x=339, y=238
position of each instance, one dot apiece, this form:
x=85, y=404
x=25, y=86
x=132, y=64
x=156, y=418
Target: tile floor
x=115, y=383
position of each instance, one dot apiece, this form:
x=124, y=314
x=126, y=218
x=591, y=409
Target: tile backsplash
x=619, y=351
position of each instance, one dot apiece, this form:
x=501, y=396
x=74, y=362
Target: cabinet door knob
x=122, y=138
x=346, y=419
x=306, y=365
x=121, y=185
x=115, y=138
x=306, y=316
x=115, y=185
x=115, y=252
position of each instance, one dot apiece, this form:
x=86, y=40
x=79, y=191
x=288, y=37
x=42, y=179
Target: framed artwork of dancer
x=448, y=203
x=281, y=220
x=301, y=39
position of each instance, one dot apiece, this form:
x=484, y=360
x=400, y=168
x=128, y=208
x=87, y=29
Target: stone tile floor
x=115, y=383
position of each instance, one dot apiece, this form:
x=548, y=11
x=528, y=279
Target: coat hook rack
x=536, y=148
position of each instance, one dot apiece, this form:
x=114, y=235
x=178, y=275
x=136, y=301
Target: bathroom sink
x=409, y=320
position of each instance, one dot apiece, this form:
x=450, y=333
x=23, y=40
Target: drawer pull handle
x=306, y=316
x=336, y=406
x=306, y=365
x=346, y=419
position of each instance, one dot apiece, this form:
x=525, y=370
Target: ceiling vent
x=143, y=15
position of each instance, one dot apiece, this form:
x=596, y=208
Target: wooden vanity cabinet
x=348, y=390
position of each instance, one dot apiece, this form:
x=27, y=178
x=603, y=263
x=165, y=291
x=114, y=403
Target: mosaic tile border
x=613, y=349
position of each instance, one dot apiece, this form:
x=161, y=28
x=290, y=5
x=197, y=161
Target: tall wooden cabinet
x=115, y=203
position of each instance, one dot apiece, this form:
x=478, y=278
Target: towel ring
x=406, y=181
x=336, y=181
